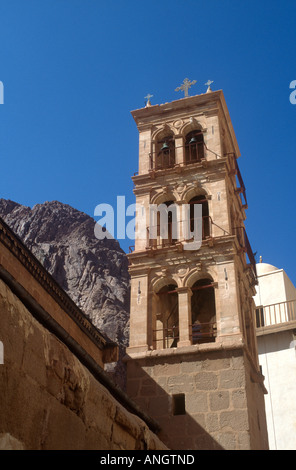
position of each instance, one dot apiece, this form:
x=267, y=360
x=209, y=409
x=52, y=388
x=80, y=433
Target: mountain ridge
x=94, y=273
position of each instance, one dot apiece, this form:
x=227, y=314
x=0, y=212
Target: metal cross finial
x=185, y=86
x=148, y=99
x=208, y=84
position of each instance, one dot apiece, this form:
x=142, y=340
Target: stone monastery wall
x=49, y=399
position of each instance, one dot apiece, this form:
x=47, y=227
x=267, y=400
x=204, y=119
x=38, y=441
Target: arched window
x=165, y=153
x=206, y=221
x=194, y=147
x=166, y=334
x=203, y=311
x=167, y=224
x=163, y=226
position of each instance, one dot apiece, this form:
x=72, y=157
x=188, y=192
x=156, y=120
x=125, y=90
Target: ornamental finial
x=185, y=86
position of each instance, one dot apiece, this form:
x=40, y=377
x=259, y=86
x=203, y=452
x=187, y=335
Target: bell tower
x=192, y=361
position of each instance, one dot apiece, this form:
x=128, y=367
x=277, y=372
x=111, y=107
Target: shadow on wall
x=173, y=412
x=280, y=341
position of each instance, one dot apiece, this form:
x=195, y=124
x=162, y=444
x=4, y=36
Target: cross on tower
x=185, y=86
x=148, y=99
x=208, y=84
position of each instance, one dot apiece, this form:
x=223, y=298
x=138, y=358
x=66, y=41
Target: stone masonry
x=55, y=394
x=215, y=383
x=50, y=400
x=192, y=360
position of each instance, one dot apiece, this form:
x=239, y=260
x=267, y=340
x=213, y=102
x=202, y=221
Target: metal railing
x=241, y=189
x=193, y=153
x=244, y=243
x=164, y=159
x=276, y=314
x=169, y=240
x=168, y=337
x=203, y=332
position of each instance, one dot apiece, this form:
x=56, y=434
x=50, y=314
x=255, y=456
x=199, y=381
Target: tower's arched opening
x=203, y=311
x=194, y=146
x=165, y=152
x=206, y=225
x=166, y=334
x=167, y=223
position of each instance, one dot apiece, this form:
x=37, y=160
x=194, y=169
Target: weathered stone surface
x=8, y=442
x=206, y=381
x=52, y=401
x=219, y=401
x=215, y=389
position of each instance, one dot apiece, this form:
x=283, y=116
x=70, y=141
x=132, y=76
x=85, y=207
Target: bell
x=165, y=146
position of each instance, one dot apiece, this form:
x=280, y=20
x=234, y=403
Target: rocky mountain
x=93, y=272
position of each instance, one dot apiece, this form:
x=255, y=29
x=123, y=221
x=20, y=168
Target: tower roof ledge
x=215, y=102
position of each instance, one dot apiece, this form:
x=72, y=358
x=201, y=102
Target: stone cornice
x=210, y=170
x=195, y=105
x=208, y=104
x=211, y=249
x=236, y=343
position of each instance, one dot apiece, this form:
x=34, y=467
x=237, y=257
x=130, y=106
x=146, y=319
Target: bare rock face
x=94, y=273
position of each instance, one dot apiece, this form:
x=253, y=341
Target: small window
x=179, y=404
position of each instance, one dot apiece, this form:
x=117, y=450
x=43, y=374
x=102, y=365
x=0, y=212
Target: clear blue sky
x=74, y=69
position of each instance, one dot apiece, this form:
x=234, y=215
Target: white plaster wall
x=278, y=360
x=271, y=288
x=275, y=287
x=277, y=356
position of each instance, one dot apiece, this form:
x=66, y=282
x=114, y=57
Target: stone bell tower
x=192, y=359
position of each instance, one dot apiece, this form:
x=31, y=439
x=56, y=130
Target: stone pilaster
x=184, y=300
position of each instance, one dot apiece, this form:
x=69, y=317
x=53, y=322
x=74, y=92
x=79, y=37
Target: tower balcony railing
x=169, y=240
x=168, y=337
x=162, y=160
x=244, y=243
x=207, y=233
x=276, y=315
x=164, y=338
x=157, y=242
x=203, y=332
x=197, y=153
x=192, y=153
x=240, y=186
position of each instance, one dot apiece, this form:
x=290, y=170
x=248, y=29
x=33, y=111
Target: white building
x=276, y=335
